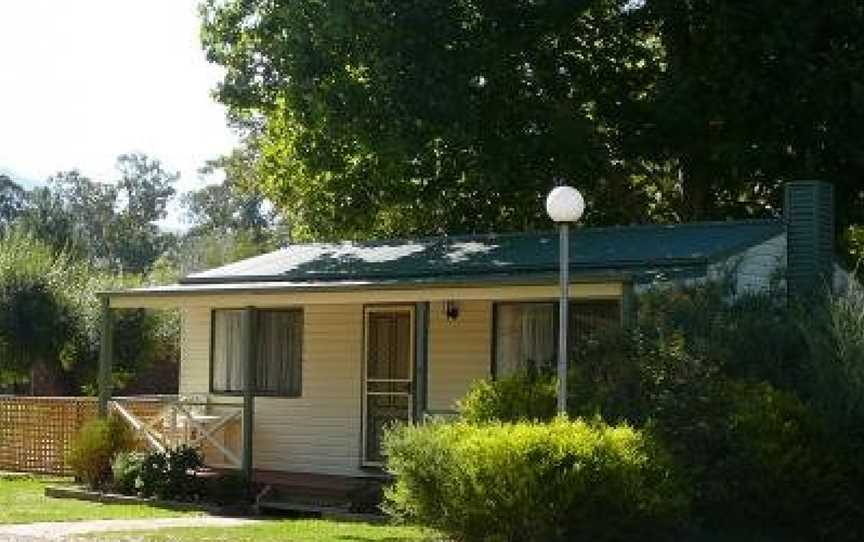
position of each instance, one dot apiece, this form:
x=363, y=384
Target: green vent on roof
x=809, y=213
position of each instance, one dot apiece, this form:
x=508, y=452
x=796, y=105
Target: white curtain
x=525, y=332
x=227, y=351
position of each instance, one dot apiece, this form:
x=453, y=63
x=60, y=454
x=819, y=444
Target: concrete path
x=53, y=531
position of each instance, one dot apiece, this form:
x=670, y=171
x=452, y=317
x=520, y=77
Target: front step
x=341, y=513
x=317, y=493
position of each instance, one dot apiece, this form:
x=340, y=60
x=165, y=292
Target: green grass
x=293, y=530
x=23, y=500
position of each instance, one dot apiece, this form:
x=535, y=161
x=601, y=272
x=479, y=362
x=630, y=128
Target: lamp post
x=564, y=205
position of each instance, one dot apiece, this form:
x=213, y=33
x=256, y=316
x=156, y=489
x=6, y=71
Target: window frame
x=258, y=311
x=493, y=365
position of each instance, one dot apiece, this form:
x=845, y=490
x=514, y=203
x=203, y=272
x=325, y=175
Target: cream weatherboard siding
x=320, y=431
x=459, y=351
x=317, y=432
x=756, y=269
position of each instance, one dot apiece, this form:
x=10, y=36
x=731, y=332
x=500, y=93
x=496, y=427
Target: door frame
x=385, y=308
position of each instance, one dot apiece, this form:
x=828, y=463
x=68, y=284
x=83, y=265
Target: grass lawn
x=293, y=530
x=23, y=500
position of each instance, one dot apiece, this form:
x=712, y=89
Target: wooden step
x=320, y=489
x=301, y=507
x=342, y=513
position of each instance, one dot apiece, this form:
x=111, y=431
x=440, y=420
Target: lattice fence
x=35, y=432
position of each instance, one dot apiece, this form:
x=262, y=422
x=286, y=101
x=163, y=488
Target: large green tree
x=428, y=116
x=752, y=94
x=374, y=118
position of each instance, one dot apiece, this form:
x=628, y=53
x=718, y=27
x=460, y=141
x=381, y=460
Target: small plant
x=126, y=469
x=94, y=448
x=152, y=475
x=171, y=475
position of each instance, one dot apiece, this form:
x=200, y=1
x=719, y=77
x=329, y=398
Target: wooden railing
x=167, y=422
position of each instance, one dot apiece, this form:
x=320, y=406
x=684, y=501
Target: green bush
x=171, y=475
x=530, y=481
x=94, y=447
x=126, y=469
x=152, y=479
x=521, y=397
x=766, y=463
x=834, y=371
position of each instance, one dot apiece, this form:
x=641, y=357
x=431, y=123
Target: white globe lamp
x=564, y=204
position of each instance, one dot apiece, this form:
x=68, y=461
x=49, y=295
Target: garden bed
x=84, y=494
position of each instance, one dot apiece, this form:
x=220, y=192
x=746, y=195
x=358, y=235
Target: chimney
x=809, y=214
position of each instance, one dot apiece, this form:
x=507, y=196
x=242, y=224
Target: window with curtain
x=526, y=334
x=279, y=349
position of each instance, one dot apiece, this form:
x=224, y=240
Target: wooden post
x=421, y=361
x=248, y=333
x=629, y=310
x=106, y=356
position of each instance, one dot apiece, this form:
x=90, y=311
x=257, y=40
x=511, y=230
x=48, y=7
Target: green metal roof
x=641, y=253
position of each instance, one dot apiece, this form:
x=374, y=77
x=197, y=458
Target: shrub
x=171, y=475
x=520, y=397
x=530, y=481
x=770, y=466
x=126, y=469
x=152, y=475
x=94, y=447
x=834, y=371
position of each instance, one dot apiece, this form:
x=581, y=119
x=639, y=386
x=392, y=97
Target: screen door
x=388, y=387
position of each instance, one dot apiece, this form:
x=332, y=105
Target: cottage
x=338, y=340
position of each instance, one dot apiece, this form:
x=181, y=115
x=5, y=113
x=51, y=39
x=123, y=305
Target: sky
x=84, y=81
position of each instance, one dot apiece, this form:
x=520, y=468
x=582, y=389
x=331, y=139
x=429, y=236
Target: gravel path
x=54, y=531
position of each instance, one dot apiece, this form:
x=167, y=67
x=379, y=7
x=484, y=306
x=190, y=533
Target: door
x=388, y=385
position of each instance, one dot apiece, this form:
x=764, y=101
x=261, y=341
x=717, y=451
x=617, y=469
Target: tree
x=45, y=218
x=112, y=226
x=91, y=207
x=145, y=189
x=407, y=117
x=753, y=94
x=225, y=207
x=36, y=318
x=12, y=198
x=378, y=118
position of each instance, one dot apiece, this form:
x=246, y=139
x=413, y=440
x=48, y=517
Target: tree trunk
x=47, y=380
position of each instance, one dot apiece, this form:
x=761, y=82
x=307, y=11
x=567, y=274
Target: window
x=279, y=349
x=526, y=334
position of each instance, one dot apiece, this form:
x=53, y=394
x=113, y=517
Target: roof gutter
x=583, y=269
x=249, y=287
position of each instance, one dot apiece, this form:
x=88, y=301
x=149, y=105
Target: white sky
x=84, y=81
